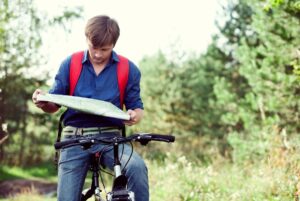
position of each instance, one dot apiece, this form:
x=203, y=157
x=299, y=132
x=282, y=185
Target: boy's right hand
x=39, y=104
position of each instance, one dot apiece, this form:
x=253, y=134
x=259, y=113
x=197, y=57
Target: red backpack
x=122, y=73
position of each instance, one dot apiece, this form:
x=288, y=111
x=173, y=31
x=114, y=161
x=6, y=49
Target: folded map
x=87, y=105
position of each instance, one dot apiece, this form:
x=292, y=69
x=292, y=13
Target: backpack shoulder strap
x=122, y=74
x=75, y=70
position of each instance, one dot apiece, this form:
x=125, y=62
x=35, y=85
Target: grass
x=29, y=196
x=43, y=171
x=188, y=181
x=179, y=177
x=227, y=182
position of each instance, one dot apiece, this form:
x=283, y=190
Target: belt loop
x=76, y=132
x=99, y=129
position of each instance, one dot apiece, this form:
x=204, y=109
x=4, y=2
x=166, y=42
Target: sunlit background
x=172, y=26
x=229, y=92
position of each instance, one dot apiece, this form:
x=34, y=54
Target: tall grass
x=176, y=175
x=46, y=171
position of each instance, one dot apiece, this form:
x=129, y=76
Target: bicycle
x=119, y=190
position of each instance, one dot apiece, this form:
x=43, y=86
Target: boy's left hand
x=135, y=116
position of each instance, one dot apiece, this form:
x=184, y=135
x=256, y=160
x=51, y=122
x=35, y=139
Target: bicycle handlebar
x=143, y=138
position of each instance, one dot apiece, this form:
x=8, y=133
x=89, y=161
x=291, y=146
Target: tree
x=241, y=91
x=21, y=26
x=292, y=8
x=269, y=99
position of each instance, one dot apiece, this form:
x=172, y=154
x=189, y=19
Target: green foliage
x=242, y=88
x=289, y=5
x=291, y=8
x=21, y=27
x=296, y=66
x=157, y=73
x=42, y=171
x=269, y=96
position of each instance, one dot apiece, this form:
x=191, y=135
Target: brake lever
x=144, y=140
x=86, y=143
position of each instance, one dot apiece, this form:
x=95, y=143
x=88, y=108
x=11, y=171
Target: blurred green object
x=87, y=105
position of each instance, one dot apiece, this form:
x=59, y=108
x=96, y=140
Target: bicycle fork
x=119, y=188
x=95, y=181
x=95, y=189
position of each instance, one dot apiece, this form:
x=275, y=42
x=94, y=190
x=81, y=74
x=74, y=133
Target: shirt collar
x=85, y=57
x=114, y=57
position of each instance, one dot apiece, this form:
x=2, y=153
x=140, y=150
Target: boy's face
x=99, y=55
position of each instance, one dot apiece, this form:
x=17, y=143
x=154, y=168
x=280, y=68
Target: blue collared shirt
x=102, y=87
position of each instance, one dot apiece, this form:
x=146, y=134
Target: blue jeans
x=74, y=163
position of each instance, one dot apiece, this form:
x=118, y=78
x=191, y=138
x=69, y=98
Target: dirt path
x=13, y=187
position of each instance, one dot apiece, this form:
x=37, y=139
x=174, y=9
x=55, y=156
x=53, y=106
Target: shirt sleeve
x=132, y=98
x=61, y=81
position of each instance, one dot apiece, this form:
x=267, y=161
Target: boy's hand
x=39, y=104
x=135, y=116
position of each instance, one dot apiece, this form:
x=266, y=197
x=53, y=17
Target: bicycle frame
x=119, y=188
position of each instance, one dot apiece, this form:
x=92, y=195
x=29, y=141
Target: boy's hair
x=102, y=30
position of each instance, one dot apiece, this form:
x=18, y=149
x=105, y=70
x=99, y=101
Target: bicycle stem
x=117, y=163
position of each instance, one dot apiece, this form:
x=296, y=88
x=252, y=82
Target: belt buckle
x=79, y=131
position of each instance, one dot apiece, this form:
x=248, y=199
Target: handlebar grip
x=146, y=137
x=167, y=138
x=59, y=145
